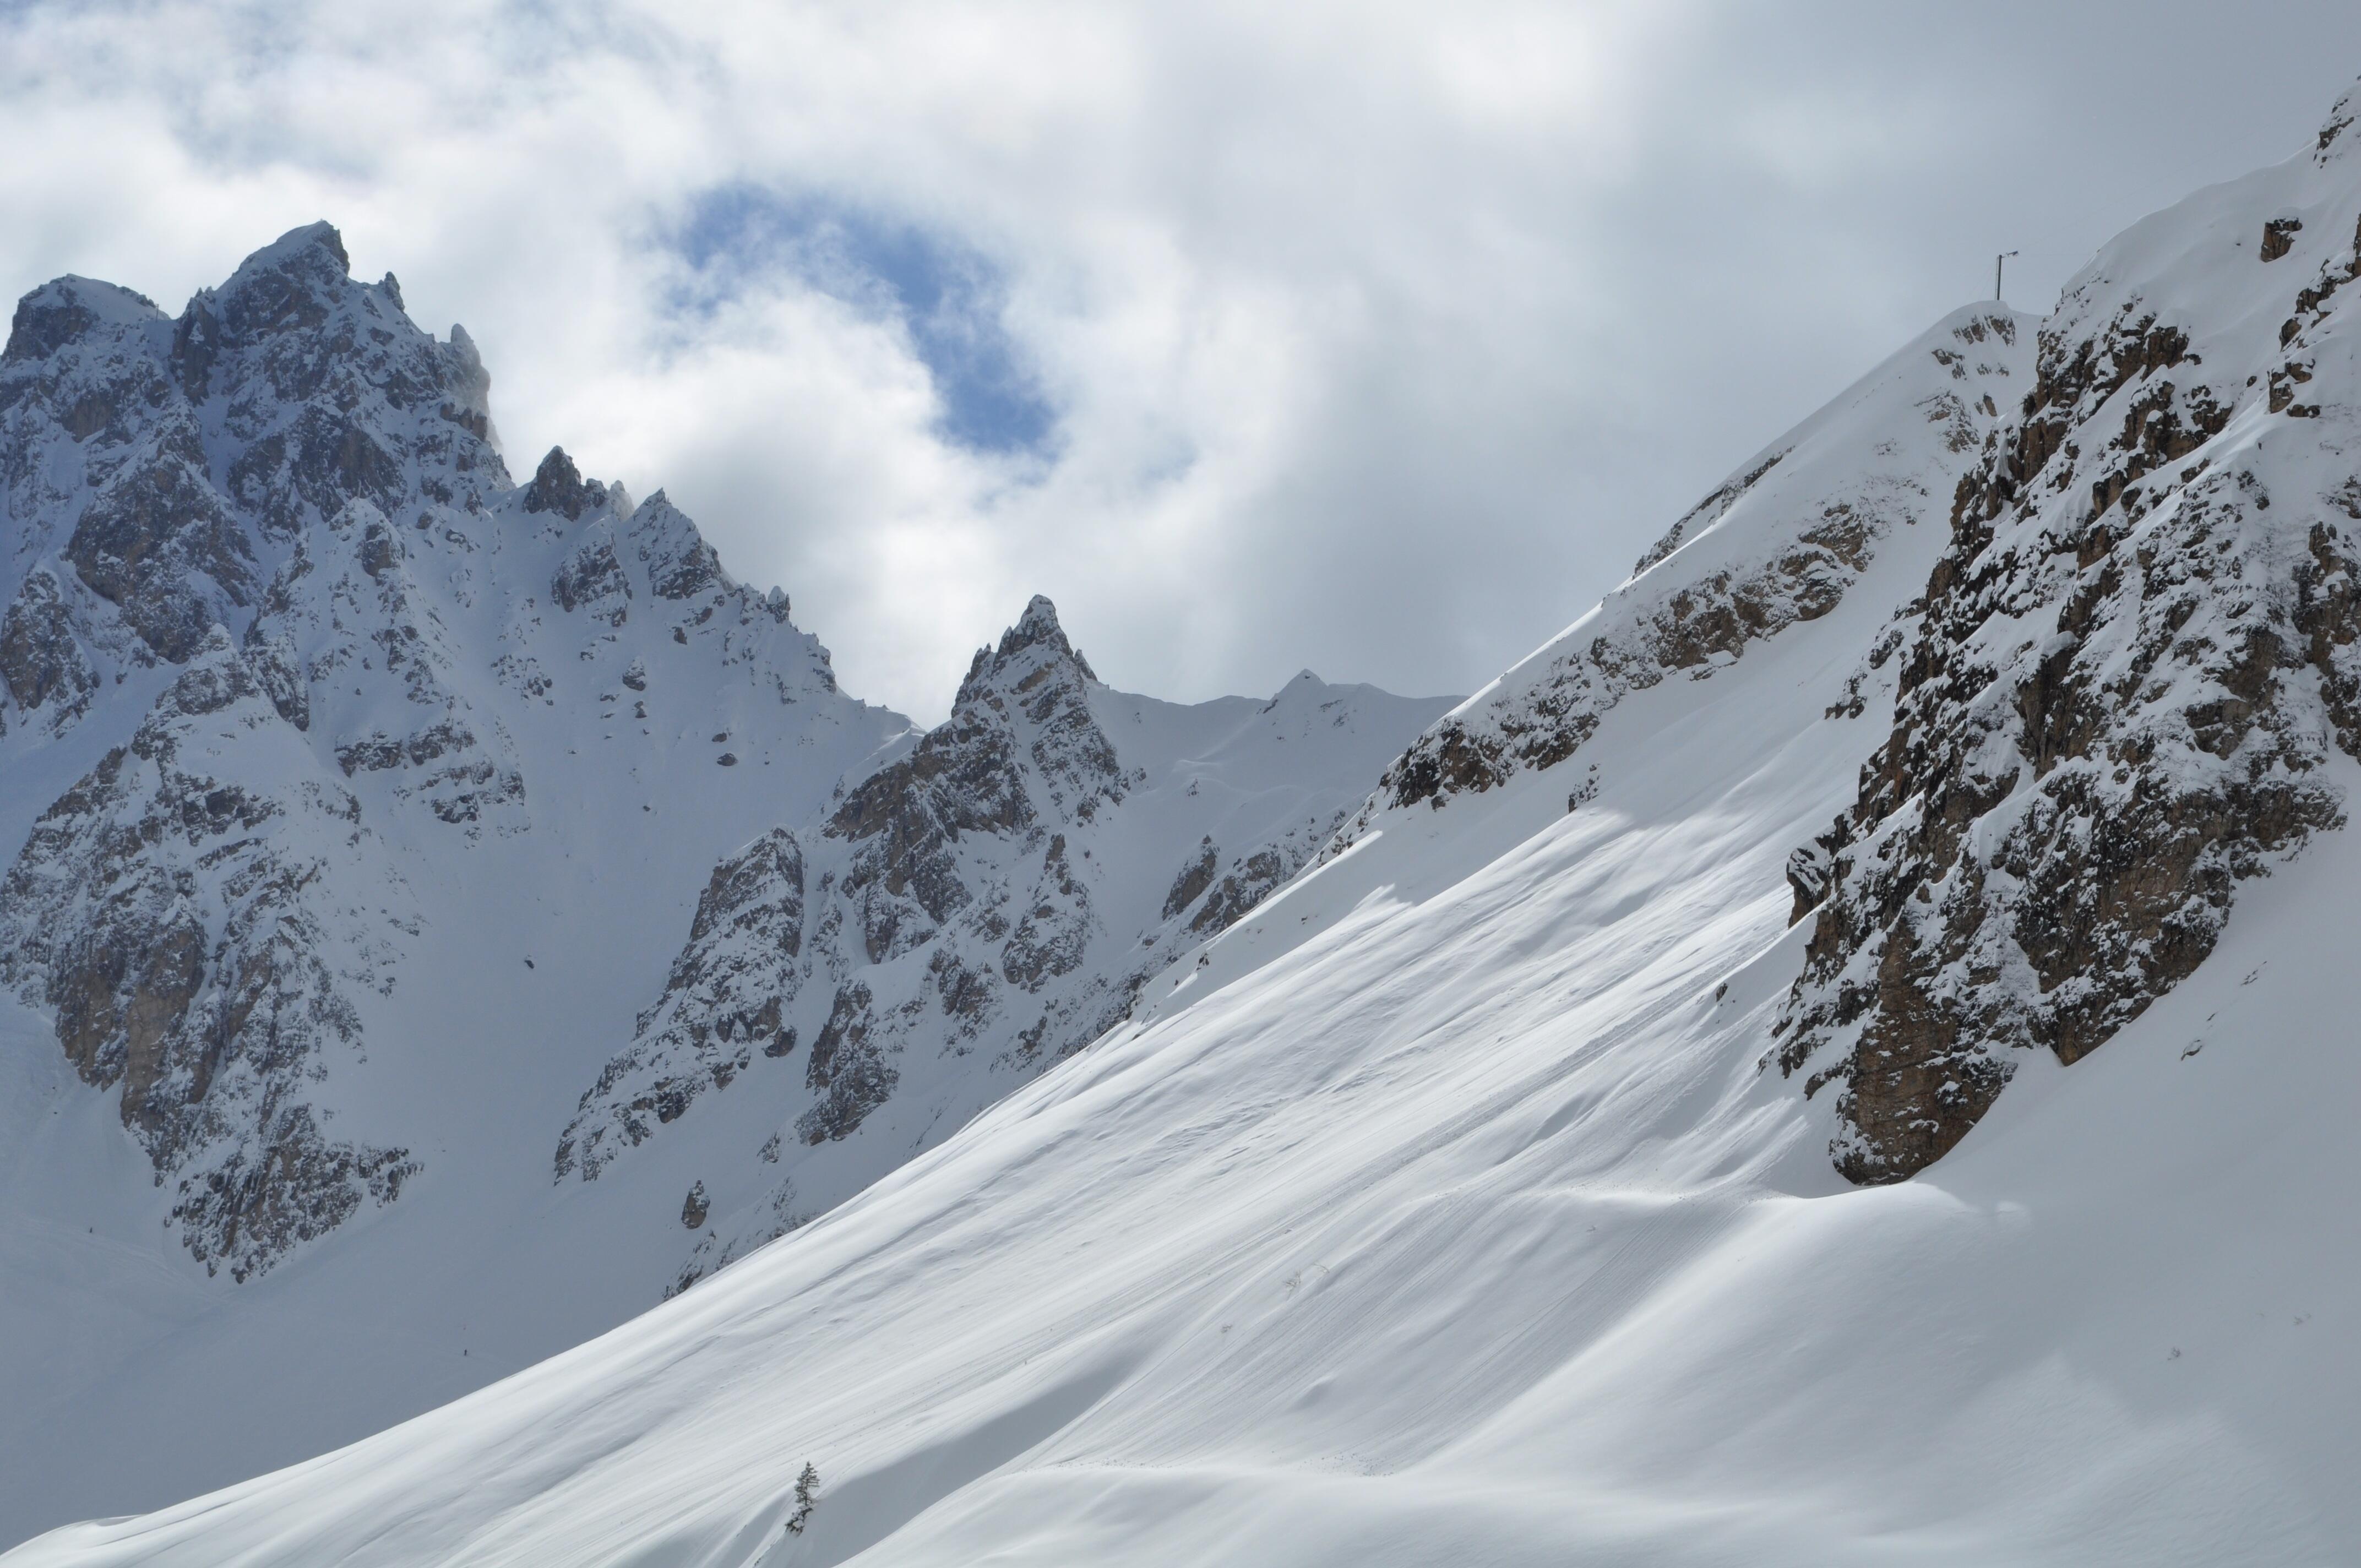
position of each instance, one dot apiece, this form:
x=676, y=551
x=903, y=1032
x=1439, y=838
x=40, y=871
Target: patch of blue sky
x=949, y=297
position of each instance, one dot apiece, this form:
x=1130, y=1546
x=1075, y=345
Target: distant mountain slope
x=373, y=826
x=986, y=902
x=1472, y=1199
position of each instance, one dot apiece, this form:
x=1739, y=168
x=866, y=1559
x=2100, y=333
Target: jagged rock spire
x=1037, y=629
x=558, y=485
x=1037, y=626
x=321, y=236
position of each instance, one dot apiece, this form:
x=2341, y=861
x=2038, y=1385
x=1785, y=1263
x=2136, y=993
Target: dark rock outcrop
x=2138, y=656
x=848, y=1068
x=1193, y=879
x=161, y=907
x=42, y=661
x=592, y=581
x=1020, y=744
x=559, y=486
x=723, y=1001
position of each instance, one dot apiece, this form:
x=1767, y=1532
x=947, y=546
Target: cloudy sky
x=1377, y=338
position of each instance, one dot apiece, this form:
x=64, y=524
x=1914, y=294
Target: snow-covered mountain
x=1835, y=1059
x=391, y=847
x=986, y=901
x=284, y=650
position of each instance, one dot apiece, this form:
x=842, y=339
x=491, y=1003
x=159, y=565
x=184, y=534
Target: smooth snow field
x=1440, y=1215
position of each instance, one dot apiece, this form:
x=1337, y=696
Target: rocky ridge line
x=1777, y=545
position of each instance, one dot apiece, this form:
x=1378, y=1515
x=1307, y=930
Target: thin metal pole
x=1997, y=262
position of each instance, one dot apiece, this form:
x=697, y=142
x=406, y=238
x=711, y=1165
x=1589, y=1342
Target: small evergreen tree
x=807, y=1494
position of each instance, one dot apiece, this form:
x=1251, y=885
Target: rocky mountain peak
x=1024, y=702
x=1035, y=687
x=1037, y=627
x=1027, y=653
x=63, y=310
x=288, y=492
x=312, y=247
x=311, y=257
x=559, y=486
x=292, y=285
x=1306, y=684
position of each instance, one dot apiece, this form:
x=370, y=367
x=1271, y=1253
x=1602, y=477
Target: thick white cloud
x=1376, y=337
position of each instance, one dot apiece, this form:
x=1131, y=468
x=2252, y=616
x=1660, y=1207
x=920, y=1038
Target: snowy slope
x=1454, y=1206
x=1448, y=1213
x=1348, y=1290
x=356, y=801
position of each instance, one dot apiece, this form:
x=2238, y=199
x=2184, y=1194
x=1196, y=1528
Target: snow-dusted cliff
x=2133, y=681
x=1780, y=544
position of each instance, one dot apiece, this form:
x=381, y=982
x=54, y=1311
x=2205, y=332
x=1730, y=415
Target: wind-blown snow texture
x=1465, y=1201
x=358, y=800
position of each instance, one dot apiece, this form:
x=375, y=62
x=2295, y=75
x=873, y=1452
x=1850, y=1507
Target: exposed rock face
x=849, y=1068
x=591, y=581
x=722, y=1003
x=1252, y=879
x=172, y=907
x=952, y=847
x=1020, y=748
x=559, y=486
x=289, y=493
x=158, y=544
x=42, y=662
x=1778, y=544
x=166, y=909
x=101, y=446
x=2137, y=657
x=1195, y=877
